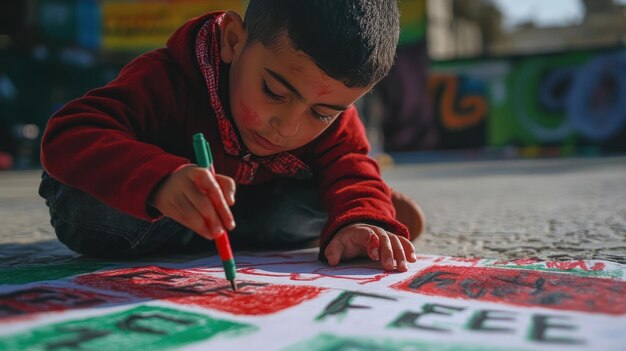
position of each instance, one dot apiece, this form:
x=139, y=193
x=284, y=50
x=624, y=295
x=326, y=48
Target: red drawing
x=323, y=90
x=192, y=287
x=519, y=261
x=373, y=246
x=21, y=303
x=521, y=287
x=439, y=259
x=560, y=265
x=473, y=261
x=311, y=275
x=569, y=265
x=277, y=254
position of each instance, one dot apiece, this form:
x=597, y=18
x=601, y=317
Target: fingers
x=227, y=184
x=398, y=253
x=398, y=249
x=386, y=250
x=390, y=250
x=334, y=252
x=203, y=207
x=373, y=247
x=409, y=249
x=217, y=210
x=194, y=197
x=184, y=212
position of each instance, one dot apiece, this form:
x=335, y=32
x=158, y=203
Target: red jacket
x=120, y=141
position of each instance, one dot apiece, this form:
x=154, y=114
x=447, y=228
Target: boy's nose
x=287, y=125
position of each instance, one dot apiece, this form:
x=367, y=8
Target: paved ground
x=550, y=209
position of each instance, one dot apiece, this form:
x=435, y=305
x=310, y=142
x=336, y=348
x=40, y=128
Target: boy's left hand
x=374, y=242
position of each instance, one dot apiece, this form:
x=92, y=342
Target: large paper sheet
x=290, y=301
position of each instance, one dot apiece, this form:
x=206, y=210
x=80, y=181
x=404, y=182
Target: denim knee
x=91, y=227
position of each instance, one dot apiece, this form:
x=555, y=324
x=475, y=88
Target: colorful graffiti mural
x=565, y=100
x=460, y=110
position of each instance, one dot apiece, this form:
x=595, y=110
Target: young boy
x=274, y=96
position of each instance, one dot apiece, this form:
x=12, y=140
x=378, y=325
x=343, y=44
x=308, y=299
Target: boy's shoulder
x=151, y=67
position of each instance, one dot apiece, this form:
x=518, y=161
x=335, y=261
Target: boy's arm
x=352, y=188
x=101, y=142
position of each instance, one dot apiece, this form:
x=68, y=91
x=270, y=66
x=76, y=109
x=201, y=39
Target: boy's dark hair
x=353, y=41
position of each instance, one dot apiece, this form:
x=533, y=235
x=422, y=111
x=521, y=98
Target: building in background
x=603, y=25
x=471, y=28
x=461, y=28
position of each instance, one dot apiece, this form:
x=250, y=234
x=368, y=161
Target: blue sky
x=542, y=12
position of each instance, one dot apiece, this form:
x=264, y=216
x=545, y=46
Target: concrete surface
x=551, y=209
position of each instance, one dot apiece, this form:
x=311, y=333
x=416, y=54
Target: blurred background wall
x=510, y=78
x=529, y=78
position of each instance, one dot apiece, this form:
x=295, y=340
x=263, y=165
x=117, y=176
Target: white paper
x=291, y=301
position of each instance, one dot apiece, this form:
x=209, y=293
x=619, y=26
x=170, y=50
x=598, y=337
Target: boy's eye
x=270, y=94
x=323, y=118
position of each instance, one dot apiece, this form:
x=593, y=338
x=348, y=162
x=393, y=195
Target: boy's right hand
x=197, y=199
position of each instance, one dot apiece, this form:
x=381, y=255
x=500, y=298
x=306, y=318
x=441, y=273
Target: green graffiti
x=143, y=327
x=23, y=275
x=615, y=274
x=328, y=342
x=528, y=105
x=412, y=21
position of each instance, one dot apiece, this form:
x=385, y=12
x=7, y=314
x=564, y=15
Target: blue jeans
x=282, y=214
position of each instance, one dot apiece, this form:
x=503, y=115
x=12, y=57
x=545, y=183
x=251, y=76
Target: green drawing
x=329, y=342
x=409, y=320
x=140, y=328
x=615, y=274
x=339, y=306
x=25, y=275
x=538, y=330
x=493, y=321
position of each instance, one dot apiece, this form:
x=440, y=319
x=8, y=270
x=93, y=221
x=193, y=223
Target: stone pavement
x=550, y=209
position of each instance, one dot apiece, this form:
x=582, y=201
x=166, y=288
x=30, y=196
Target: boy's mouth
x=266, y=144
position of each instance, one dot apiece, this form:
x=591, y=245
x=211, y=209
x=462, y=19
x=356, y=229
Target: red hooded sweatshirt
x=118, y=142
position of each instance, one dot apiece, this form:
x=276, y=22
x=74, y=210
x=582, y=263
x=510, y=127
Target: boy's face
x=279, y=98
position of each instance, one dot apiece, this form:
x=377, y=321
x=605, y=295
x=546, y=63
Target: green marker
x=205, y=159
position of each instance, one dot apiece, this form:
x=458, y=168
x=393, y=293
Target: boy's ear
x=233, y=36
